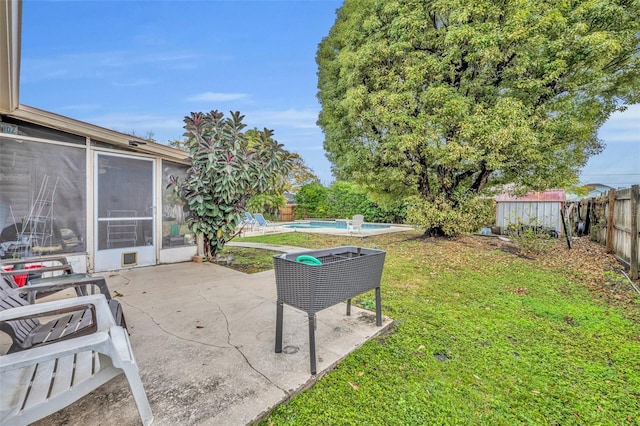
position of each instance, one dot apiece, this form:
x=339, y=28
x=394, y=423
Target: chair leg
x=139, y=395
x=127, y=363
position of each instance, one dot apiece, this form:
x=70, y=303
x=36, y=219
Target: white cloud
x=619, y=164
x=99, y=64
x=216, y=97
x=159, y=57
x=294, y=118
x=135, y=83
x=79, y=107
x=141, y=124
x=621, y=136
x=622, y=127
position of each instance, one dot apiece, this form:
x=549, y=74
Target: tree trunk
x=435, y=232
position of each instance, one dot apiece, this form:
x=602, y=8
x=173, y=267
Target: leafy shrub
x=343, y=200
x=449, y=218
x=531, y=239
x=384, y=213
x=311, y=201
x=266, y=203
x=347, y=199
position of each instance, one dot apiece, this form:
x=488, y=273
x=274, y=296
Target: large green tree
x=436, y=101
x=299, y=174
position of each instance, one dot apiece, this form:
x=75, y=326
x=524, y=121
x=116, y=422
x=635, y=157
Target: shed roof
x=553, y=195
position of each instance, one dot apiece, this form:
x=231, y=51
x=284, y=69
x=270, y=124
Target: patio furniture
x=41, y=380
x=356, y=223
x=18, y=266
x=342, y=273
x=34, y=267
x=263, y=223
x=27, y=333
x=248, y=221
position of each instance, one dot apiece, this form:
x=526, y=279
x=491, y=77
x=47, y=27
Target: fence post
x=633, y=258
x=587, y=219
x=593, y=233
x=610, y=219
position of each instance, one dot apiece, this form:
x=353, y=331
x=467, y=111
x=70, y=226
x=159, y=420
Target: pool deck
x=280, y=228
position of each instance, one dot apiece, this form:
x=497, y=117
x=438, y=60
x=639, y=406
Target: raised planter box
x=344, y=272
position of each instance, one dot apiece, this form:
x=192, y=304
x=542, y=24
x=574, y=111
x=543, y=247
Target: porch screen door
x=124, y=206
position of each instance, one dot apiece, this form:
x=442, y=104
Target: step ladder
x=37, y=227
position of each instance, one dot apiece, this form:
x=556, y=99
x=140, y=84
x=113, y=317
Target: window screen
x=42, y=198
x=174, y=229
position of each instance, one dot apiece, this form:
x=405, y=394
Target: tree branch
x=481, y=179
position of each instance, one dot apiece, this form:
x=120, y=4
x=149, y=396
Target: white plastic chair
x=39, y=381
x=356, y=223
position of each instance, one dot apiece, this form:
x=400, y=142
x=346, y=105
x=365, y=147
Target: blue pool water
x=340, y=224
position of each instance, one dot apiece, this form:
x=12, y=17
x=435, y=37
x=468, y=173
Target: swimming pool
x=332, y=224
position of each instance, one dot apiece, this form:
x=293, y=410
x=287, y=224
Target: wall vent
x=130, y=259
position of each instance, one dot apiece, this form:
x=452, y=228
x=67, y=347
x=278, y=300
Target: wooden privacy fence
x=612, y=220
x=287, y=213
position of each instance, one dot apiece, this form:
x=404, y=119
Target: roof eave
x=81, y=128
x=10, y=32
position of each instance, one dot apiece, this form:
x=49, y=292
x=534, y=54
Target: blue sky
x=141, y=66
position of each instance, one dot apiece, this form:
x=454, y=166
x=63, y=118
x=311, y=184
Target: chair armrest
x=63, y=282
x=15, y=360
x=103, y=317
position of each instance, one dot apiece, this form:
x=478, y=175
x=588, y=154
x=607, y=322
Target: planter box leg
x=378, y=308
x=312, y=343
x=279, y=318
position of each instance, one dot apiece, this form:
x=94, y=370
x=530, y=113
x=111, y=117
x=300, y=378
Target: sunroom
x=98, y=196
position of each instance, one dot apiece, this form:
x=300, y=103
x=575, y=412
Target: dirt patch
x=369, y=318
x=586, y=261
x=597, y=269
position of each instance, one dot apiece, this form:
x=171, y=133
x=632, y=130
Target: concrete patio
x=203, y=337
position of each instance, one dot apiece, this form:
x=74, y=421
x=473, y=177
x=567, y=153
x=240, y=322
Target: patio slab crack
x=238, y=348
x=164, y=330
x=229, y=344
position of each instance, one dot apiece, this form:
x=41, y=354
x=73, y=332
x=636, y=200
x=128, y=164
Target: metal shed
x=535, y=208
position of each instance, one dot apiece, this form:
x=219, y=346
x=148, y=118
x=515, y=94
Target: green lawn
x=482, y=336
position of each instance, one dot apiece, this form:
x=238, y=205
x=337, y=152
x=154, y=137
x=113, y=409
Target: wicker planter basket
x=344, y=272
